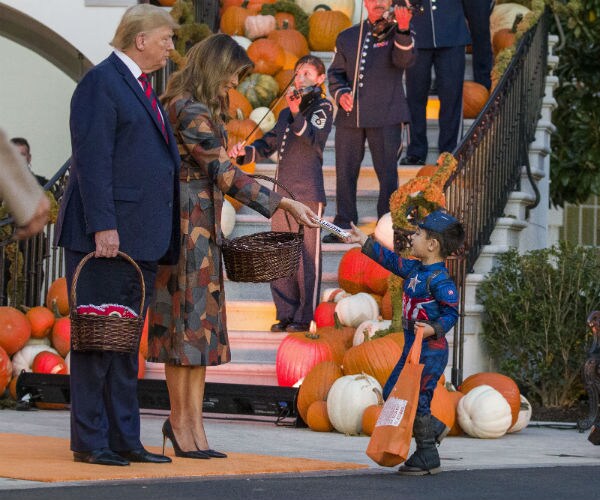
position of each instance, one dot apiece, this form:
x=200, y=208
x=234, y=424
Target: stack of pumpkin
x=275, y=35
x=39, y=340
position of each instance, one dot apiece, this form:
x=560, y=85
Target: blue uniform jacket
x=435, y=303
x=123, y=174
x=380, y=98
x=442, y=24
x=300, y=142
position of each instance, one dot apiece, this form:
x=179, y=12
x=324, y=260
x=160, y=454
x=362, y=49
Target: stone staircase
x=250, y=310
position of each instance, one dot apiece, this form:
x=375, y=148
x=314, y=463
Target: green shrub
x=534, y=325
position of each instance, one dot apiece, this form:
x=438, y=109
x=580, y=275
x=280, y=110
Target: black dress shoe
x=143, y=455
x=103, y=456
x=214, y=453
x=281, y=326
x=412, y=160
x=297, y=327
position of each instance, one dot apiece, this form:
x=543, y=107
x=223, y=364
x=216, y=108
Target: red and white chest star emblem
x=414, y=281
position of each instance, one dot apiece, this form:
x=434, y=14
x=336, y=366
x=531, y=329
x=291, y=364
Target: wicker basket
x=105, y=333
x=265, y=256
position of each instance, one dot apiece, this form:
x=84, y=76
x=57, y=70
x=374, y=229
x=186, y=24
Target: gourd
x=506, y=37
x=503, y=384
x=260, y=90
x=504, y=15
x=268, y=122
x=323, y=28
x=333, y=294
x=57, y=298
x=475, y=96
x=347, y=400
x=367, y=329
x=233, y=20
x=23, y=359
x=523, y=418
x=316, y=385
x=15, y=330
x=353, y=310
x=41, y=320
x=290, y=40
x=484, y=413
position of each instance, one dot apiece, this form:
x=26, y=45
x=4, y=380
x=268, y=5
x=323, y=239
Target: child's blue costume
x=430, y=296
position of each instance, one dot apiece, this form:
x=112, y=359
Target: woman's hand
x=403, y=16
x=293, y=101
x=356, y=236
x=299, y=211
x=237, y=150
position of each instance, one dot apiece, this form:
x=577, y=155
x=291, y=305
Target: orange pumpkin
x=375, y=357
x=289, y=61
x=338, y=334
x=455, y=396
x=316, y=385
x=12, y=387
x=61, y=336
x=49, y=363
x=267, y=56
x=6, y=370
x=443, y=405
x=371, y=415
x=41, y=319
x=242, y=130
x=57, y=298
x=237, y=100
x=503, y=384
x=324, y=314
x=291, y=40
x=15, y=330
x=317, y=417
x=351, y=271
x=386, y=305
x=323, y=28
x=232, y=20
x=144, y=340
x=141, y=366
x=285, y=21
x=283, y=79
x=506, y=37
x=475, y=97
x=376, y=278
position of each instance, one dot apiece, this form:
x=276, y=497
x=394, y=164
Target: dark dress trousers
x=379, y=111
x=124, y=176
x=478, y=14
x=441, y=35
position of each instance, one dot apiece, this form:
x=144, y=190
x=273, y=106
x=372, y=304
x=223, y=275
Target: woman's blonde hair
x=210, y=62
x=139, y=19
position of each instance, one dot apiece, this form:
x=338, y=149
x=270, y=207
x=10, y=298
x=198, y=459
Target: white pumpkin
x=484, y=413
x=503, y=16
x=23, y=359
x=42, y=341
x=269, y=120
x=369, y=328
x=353, y=310
x=334, y=295
x=242, y=41
x=384, y=231
x=68, y=361
x=227, y=218
x=258, y=26
x=523, y=418
x=347, y=400
x=345, y=6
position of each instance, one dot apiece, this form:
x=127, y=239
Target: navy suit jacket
x=442, y=24
x=123, y=175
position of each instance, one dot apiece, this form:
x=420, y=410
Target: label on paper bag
x=392, y=412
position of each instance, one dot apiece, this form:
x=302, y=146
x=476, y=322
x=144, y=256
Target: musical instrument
x=384, y=27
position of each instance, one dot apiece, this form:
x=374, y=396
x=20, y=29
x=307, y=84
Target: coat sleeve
x=19, y=189
x=337, y=75
x=446, y=295
x=208, y=152
x=403, y=54
x=93, y=132
x=388, y=259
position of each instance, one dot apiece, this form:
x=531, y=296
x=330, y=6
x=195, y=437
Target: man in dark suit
x=441, y=35
x=371, y=106
x=122, y=195
x=478, y=16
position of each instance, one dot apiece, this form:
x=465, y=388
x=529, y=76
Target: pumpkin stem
x=239, y=113
x=285, y=24
x=321, y=6
x=518, y=19
x=55, y=309
x=337, y=323
x=379, y=396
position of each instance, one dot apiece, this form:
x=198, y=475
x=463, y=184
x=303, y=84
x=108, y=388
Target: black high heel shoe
x=167, y=432
x=214, y=453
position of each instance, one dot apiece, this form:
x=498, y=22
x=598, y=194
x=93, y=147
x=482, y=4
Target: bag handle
x=415, y=351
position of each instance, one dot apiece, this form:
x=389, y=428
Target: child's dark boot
x=425, y=460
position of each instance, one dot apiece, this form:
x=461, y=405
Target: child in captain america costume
x=430, y=300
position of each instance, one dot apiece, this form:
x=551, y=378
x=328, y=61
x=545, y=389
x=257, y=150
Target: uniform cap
x=437, y=221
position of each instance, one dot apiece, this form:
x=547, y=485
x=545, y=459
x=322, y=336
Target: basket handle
x=120, y=254
x=275, y=181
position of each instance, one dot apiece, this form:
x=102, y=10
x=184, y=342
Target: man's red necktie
x=145, y=81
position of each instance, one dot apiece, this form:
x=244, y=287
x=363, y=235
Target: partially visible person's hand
x=299, y=211
x=356, y=235
x=107, y=243
x=293, y=102
x=347, y=101
x=403, y=16
x=428, y=330
x=236, y=150
x=37, y=222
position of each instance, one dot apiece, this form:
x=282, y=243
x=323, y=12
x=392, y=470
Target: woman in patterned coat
x=187, y=320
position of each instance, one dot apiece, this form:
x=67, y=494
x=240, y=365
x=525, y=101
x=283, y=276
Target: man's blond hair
x=139, y=19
